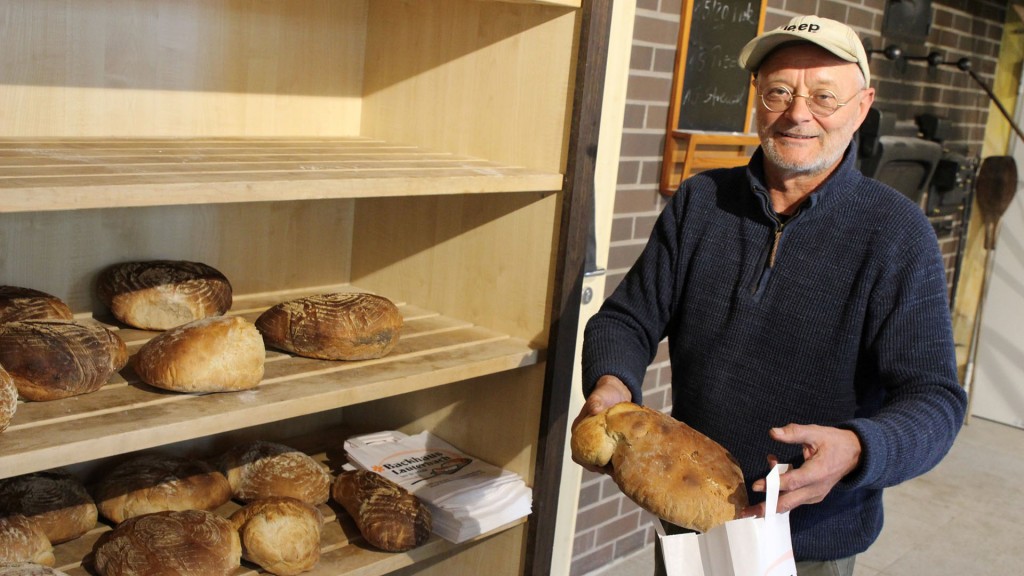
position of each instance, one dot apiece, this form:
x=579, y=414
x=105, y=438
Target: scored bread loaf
x=387, y=515
x=54, y=359
x=262, y=469
x=665, y=466
x=28, y=569
x=157, y=482
x=162, y=294
x=55, y=499
x=281, y=535
x=22, y=540
x=336, y=326
x=217, y=354
x=8, y=399
x=18, y=303
x=170, y=543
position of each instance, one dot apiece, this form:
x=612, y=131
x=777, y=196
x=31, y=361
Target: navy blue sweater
x=848, y=325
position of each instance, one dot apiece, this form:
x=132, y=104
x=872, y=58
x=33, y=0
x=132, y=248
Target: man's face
x=796, y=142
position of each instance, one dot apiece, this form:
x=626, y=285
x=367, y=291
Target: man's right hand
x=608, y=392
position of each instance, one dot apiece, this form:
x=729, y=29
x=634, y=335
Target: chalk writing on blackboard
x=715, y=90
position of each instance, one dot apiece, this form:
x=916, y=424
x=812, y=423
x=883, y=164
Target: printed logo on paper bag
x=413, y=467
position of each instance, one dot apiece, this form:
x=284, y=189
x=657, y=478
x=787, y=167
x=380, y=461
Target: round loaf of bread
x=162, y=294
x=337, y=326
x=158, y=482
x=8, y=399
x=665, y=466
x=23, y=540
x=281, y=535
x=170, y=543
x=17, y=303
x=217, y=354
x=28, y=569
x=55, y=499
x=54, y=359
x=261, y=469
x=387, y=515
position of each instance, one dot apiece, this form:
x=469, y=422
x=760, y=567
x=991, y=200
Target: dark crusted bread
x=262, y=469
x=17, y=303
x=337, y=326
x=54, y=359
x=162, y=294
x=170, y=543
x=387, y=515
x=155, y=482
x=55, y=499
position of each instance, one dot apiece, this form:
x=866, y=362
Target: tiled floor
x=961, y=519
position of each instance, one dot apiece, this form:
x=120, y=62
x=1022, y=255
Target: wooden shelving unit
x=435, y=153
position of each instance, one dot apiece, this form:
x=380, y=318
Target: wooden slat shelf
x=71, y=174
x=433, y=350
x=343, y=550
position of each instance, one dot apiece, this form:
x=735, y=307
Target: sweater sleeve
x=623, y=337
x=909, y=347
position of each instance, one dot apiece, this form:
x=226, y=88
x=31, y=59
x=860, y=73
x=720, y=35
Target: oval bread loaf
x=55, y=499
x=337, y=326
x=262, y=469
x=281, y=535
x=665, y=466
x=218, y=354
x=17, y=303
x=170, y=543
x=157, y=482
x=22, y=540
x=387, y=515
x=162, y=294
x=8, y=399
x=54, y=359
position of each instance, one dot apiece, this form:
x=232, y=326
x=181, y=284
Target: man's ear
x=865, y=104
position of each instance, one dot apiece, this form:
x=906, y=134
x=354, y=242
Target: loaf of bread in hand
x=262, y=469
x=54, y=359
x=8, y=399
x=337, y=326
x=28, y=569
x=22, y=540
x=281, y=535
x=162, y=294
x=55, y=499
x=156, y=482
x=170, y=543
x=665, y=466
x=217, y=354
x=387, y=515
x=17, y=303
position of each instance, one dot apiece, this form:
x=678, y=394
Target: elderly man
x=804, y=304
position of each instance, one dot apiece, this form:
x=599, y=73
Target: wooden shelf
x=433, y=350
x=72, y=174
x=342, y=548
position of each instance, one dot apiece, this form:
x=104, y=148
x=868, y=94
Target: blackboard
x=712, y=91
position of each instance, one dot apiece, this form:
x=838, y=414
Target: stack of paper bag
x=466, y=496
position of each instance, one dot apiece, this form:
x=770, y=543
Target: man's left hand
x=829, y=455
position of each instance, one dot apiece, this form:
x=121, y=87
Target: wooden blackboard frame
x=690, y=147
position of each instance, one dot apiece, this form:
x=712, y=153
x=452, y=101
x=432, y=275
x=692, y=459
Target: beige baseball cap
x=836, y=37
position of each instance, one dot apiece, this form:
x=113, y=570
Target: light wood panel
x=40, y=175
x=485, y=79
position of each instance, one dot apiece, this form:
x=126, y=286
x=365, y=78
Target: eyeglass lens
x=819, y=102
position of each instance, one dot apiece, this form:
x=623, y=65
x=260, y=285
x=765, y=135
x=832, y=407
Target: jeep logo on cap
x=802, y=28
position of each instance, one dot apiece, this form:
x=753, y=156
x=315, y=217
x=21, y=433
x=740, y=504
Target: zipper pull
x=775, y=245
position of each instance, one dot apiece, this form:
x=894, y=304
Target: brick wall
x=609, y=526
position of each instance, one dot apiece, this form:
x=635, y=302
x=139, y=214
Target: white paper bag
x=745, y=547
